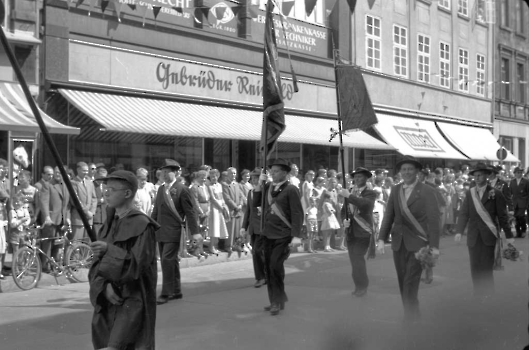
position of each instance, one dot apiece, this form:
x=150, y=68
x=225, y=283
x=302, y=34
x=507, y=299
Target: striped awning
x=16, y=115
x=161, y=117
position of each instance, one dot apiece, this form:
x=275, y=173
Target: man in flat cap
x=412, y=217
x=174, y=211
x=519, y=187
x=283, y=219
x=359, y=226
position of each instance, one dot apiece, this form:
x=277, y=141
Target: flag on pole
x=273, y=106
x=355, y=105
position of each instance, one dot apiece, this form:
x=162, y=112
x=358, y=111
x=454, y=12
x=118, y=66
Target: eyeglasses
x=110, y=190
x=94, y=168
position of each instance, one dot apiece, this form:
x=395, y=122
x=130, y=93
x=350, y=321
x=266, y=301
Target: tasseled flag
x=79, y=3
x=178, y=9
x=352, y=5
x=219, y=12
x=104, y=4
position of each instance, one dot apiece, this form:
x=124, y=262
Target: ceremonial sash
x=482, y=212
x=361, y=221
x=170, y=204
x=407, y=213
x=276, y=209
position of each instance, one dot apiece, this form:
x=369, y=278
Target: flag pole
x=43, y=127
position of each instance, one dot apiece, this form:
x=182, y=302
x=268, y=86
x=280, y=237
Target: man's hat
x=517, y=169
x=256, y=172
x=123, y=175
x=408, y=160
x=361, y=170
x=282, y=162
x=481, y=167
x=497, y=169
x=171, y=164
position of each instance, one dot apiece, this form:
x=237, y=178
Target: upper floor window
x=480, y=74
x=520, y=17
x=505, y=72
x=520, y=81
x=423, y=58
x=444, y=65
x=463, y=70
x=400, y=51
x=504, y=13
x=445, y=4
x=373, y=42
x=462, y=7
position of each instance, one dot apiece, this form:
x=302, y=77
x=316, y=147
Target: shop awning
x=475, y=143
x=16, y=115
x=415, y=137
x=23, y=38
x=161, y=117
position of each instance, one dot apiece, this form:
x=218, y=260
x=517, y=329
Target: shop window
x=27, y=61
x=505, y=91
x=217, y=153
x=400, y=51
x=480, y=74
x=462, y=7
x=506, y=142
x=188, y=152
x=423, y=58
x=521, y=150
x=373, y=43
x=315, y=157
x=444, y=65
x=520, y=82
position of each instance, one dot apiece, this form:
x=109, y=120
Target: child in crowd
x=20, y=221
x=312, y=224
x=329, y=222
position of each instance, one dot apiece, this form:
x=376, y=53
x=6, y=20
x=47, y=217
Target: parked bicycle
x=74, y=259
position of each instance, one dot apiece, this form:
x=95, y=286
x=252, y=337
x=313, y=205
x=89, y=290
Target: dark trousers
x=170, y=268
x=257, y=242
x=357, y=249
x=481, y=265
x=521, y=224
x=276, y=251
x=47, y=246
x=409, y=275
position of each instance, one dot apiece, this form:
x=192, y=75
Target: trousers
x=357, y=249
x=481, y=267
x=170, y=268
x=276, y=251
x=409, y=271
x=257, y=242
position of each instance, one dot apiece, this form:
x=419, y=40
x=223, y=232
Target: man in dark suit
x=54, y=201
x=84, y=188
x=484, y=206
x=173, y=210
x=359, y=226
x=283, y=218
x=46, y=176
x=498, y=183
x=412, y=217
x=234, y=199
x=252, y=226
x=100, y=216
x=520, y=197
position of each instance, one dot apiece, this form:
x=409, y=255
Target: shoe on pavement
x=175, y=296
x=162, y=299
x=269, y=307
x=360, y=292
x=274, y=309
x=259, y=283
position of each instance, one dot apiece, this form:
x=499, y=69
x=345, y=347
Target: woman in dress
x=329, y=223
x=219, y=213
x=28, y=193
x=317, y=191
x=306, y=190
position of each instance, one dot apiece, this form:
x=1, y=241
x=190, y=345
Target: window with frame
x=400, y=51
x=504, y=8
x=521, y=149
x=480, y=74
x=445, y=4
x=373, y=43
x=520, y=17
x=444, y=65
x=507, y=142
x=505, y=91
x=423, y=58
x=462, y=7
x=520, y=82
x=463, y=70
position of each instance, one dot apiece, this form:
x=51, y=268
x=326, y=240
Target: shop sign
x=418, y=139
x=147, y=72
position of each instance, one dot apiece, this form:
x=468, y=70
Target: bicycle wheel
x=79, y=258
x=26, y=268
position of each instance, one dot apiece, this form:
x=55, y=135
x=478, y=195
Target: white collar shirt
x=408, y=189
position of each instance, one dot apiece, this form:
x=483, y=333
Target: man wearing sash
x=485, y=211
x=519, y=187
x=359, y=226
x=283, y=219
x=412, y=217
x=173, y=210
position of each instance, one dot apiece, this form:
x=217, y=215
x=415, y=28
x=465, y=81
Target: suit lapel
x=485, y=197
x=415, y=194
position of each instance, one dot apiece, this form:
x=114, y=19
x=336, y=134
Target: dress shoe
x=162, y=299
x=274, y=309
x=360, y=292
x=522, y=235
x=269, y=308
x=259, y=283
x=175, y=296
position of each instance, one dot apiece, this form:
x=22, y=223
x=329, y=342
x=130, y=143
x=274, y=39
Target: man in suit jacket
x=85, y=190
x=252, y=225
x=173, y=210
x=359, y=226
x=520, y=197
x=100, y=216
x=283, y=220
x=47, y=175
x=234, y=199
x=412, y=217
x=498, y=183
x=54, y=201
x=483, y=228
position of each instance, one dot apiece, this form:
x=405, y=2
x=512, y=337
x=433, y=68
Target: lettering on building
x=418, y=139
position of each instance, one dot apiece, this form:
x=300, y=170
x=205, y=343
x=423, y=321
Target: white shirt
x=481, y=190
x=276, y=186
x=408, y=189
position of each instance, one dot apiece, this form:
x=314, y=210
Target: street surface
x=222, y=310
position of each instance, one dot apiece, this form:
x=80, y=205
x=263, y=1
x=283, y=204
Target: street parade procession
x=264, y=174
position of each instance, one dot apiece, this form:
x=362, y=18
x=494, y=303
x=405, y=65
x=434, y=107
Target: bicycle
x=74, y=259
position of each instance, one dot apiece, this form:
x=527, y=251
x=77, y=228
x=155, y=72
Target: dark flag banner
x=355, y=105
x=273, y=106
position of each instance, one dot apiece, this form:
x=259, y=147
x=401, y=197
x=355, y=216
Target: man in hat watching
x=483, y=207
x=498, y=183
x=174, y=211
x=412, y=217
x=359, y=226
x=519, y=187
x=283, y=219
x=123, y=275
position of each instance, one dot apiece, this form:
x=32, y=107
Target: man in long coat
x=520, y=197
x=485, y=211
x=234, y=199
x=174, y=211
x=359, y=226
x=123, y=276
x=412, y=217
